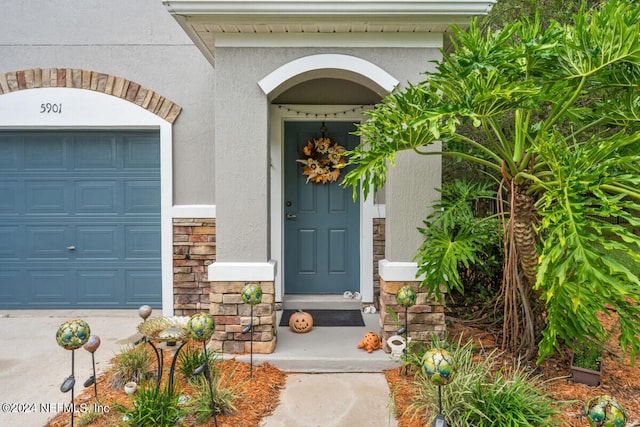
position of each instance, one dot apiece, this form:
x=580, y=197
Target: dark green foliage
x=461, y=250
x=190, y=358
x=153, y=407
x=480, y=395
x=558, y=111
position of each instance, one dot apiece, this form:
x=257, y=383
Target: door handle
x=71, y=248
x=291, y=216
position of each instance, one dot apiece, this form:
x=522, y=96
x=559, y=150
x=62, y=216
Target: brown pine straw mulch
x=259, y=396
x=619, y=379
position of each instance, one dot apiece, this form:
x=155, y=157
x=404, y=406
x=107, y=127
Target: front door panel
x=321, y=221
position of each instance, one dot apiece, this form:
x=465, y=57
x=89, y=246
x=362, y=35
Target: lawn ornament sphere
x=201, y=326
x=92, y=343
x=300, y=322
x=439, y=366
x=406, y=297
x=605, y=411
x=72, y=334
x=251, y=294
x=144, y=311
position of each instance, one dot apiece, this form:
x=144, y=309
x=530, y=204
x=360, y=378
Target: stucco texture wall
x=137, y=40
x=242, y=147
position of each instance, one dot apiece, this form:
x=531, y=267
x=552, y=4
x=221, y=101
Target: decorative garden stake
x=405, y=297
x=144, y=312
x=71, y=335
x=604, y=411
x=201, y=326
x=251, y=294
x=91, y=346
x=439, y=366
x=167, y=332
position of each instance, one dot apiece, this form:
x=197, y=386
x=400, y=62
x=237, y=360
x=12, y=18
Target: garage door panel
x=48, y=242
x=10, y=158
x=98, y=287
x=50, y=287
x=140, y=286
x=140, y=154
x=47, y=197
x=11, y=197
x=11, y=293
x=142, y=242
x=48, y=152
x=142, y=197
x=98, y=197
x=79, y=219
x=99, y=242
x=11, y=242
x=95, y=152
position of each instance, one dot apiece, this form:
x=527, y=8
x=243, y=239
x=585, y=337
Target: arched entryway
x=306, y=93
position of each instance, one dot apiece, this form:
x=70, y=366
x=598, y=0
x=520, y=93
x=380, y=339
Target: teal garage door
x=79, y=219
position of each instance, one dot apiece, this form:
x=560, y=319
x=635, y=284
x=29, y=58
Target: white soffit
x=203, y=20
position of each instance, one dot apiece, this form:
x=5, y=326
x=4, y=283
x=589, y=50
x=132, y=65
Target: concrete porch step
x=325, y=349
x=320, y=302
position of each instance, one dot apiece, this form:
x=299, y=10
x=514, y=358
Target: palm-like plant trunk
x=524, y=234
x=519, y=327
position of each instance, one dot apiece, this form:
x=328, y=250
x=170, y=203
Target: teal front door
x=321, y=221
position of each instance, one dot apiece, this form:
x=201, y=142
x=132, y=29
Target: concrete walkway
x=333, y=400
x=341, y=386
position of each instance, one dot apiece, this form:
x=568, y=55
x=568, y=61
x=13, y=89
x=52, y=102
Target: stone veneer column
x=232, y=314
x=194, y=249
x=426, y=317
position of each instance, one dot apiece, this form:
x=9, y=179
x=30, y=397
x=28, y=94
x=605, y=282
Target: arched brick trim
x=91, y=80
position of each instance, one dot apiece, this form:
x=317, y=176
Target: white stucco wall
x=136, y=40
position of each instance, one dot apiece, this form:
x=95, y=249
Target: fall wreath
x=322, y=160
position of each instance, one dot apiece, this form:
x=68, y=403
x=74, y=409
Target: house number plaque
x=51, y=108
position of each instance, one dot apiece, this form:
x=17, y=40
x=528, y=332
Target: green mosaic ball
x=439, y=366
x=201, y=326
x=72, y=334
x=251, y=293
x=604, y=411
x=406, y=296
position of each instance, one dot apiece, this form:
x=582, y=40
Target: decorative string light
x=325, y=115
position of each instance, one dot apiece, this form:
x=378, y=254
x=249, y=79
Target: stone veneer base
x=231, y=315
x=426, y=317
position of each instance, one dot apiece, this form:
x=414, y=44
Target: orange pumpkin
x=300, y=322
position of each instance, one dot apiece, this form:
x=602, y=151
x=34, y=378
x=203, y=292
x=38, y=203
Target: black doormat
x=328, y=317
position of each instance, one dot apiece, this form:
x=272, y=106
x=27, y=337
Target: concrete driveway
x=33, y=366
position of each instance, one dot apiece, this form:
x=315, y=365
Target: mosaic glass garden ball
x=251, y=294
x=144, y=311
x=72, y=334
x=92, y=343
x=201, y=326
x=439, y=366
x=604, y=411
x=406, y=296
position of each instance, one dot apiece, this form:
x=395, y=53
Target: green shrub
x=133, y=363
x=225, y=394
x=478, y=397
x=153, y=407
x=189, y=359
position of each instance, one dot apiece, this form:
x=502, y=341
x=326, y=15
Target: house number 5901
x=49, y=108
